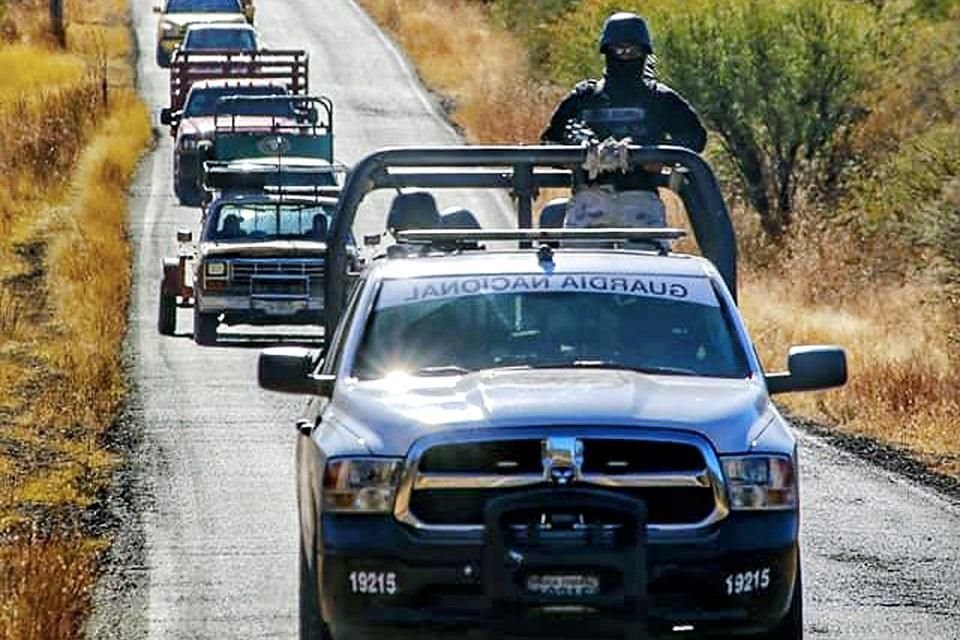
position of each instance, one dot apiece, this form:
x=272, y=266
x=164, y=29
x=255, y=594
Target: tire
x=312, y=626
x=167, y=314
x=311, y=622
x=188, y=193
x=791, y=627
x=205, y=327
x=163, y=60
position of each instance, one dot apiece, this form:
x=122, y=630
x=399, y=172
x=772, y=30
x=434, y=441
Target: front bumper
x=262, y=310
x=447, y=584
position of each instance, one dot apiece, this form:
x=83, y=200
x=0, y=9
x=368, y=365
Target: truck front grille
x=618, y=457
x=677, y=476
x=507, y=457
x=277, y=278
x=244, y=270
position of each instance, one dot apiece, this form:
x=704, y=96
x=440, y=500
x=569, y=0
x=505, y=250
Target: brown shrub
x=46, y=584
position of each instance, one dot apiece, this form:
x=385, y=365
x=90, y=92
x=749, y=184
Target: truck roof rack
x=280, y=125
x=288, y=66
x=239, y=175
x=314, y=114
x=447, y=237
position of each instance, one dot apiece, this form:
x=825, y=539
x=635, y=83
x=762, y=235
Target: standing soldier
x=626, y=106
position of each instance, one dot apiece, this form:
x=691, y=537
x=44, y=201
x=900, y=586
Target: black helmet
x=626, y=28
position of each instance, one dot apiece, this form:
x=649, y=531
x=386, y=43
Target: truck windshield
x=217, y=38
x=264, y=222
x=203, y=102
x=656, y=324
x=204, y=6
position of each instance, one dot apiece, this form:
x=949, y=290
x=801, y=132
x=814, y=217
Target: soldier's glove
x=609, y=155
x=579, y=133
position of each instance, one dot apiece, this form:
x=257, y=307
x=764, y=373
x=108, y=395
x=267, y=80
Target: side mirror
x=168, y=116
x=810, y=368
x=184, y=235
x=290, y=370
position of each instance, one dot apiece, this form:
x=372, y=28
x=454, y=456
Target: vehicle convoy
x=175, y=16
x=197, y=84
x=542, y=432
x=261, y=253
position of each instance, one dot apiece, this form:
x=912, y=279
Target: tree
x=778, y=81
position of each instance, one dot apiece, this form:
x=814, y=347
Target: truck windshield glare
x=648, y=324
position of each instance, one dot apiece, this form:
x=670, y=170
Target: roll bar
x=228, y=108
x=259, y=176
x=523, y=171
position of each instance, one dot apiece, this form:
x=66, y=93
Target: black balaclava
x=624, y=78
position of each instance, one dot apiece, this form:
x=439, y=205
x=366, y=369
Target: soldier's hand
x=609, y=155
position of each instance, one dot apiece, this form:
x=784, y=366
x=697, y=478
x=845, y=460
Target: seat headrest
x=319, y=226
x=553, y=213
x=415, y=210
x=458, y=218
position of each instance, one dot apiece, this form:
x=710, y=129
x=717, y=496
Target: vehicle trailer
x=570, y=436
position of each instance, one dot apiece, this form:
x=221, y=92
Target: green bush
x=779, y=81
x=937, y=9
x=915, y=194
x=532, y=21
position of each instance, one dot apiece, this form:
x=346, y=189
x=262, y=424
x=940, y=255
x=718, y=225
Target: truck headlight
x=760, y=482
x=216, y=269
x=361, y=485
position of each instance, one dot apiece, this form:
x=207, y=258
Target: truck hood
x=201, y=127
x=183, y=20
x=729, y=413
x=272, y=249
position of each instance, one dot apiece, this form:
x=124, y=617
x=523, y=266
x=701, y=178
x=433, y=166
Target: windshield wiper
x=441, y=370
x=666, y=371
x=605, y=364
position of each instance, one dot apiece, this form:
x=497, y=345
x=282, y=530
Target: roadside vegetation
x=71, y=133
x=834, y=128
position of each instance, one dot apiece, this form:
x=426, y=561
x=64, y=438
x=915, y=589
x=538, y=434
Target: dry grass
x=481, y=68
x=46, y=593
x=905, y=385
x=90, y=256
x=71, y=133
x=63, y=325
